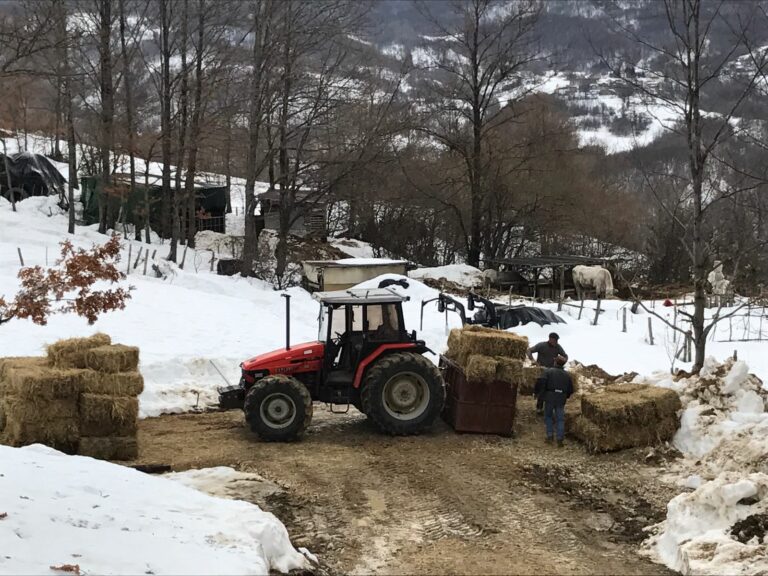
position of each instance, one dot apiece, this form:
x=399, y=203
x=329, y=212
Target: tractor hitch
x=231, y=397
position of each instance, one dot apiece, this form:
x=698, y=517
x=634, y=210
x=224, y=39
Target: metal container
x=480, y=407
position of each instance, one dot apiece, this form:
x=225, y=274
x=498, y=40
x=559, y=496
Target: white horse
x=593, y=277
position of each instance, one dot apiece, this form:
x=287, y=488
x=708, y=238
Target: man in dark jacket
x=546, y=354
x=555, y=387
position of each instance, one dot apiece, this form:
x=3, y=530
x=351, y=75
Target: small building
x=327, y=275
x=26, y=174
x=210, y=201
x=310, y=217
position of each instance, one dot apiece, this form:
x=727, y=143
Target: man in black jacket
x=547, y=353
x=555, y=386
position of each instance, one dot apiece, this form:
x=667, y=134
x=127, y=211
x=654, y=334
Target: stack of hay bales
x=82, y=398
x=626, y=415
x=487, y=354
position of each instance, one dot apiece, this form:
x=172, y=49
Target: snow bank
x=461, y=274
x=724, y=438
x=110, y=519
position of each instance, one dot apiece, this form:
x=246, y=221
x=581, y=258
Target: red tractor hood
x=282, y=360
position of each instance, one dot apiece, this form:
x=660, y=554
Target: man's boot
x=549, y=440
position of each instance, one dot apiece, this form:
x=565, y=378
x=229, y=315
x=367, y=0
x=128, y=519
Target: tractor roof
x=360, y=296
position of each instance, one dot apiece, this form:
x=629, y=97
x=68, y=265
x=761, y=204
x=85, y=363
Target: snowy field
x=193, y=319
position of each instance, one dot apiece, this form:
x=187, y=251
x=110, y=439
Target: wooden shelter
x=528, y=275
x=309, y=218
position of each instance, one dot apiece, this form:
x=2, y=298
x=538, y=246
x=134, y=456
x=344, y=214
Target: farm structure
x=26, y=174
x=309, y=218
x=131, y=208
x=540, y=276
x=344, y=274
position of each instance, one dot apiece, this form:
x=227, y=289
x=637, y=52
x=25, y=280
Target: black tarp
x=511, y=316
x=30, y=175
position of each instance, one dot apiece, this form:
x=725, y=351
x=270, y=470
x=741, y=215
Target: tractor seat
x=339, y=377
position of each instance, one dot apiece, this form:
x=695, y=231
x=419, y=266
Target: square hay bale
x=72, y=353
x=630, y=404
x=530, y=375
x=110, y=448
x=481, y=369
x=41, y=383
x=572, y=412
x=59, y=433
x=509, y=370
x=114, y=358
x=20, y=362
x=111, y=384
x=492, y=343
x=454, y=343
x=39, y=410
x=103, y=415
x=609, y=438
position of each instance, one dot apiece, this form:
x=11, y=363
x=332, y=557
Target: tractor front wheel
x=278, y=408
x=403, y=393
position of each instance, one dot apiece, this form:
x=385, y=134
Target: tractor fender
x=376, y=354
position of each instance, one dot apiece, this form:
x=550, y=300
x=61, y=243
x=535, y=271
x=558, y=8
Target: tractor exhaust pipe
x=287, y=320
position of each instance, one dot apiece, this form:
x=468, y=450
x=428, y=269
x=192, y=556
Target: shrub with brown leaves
x=70, y=286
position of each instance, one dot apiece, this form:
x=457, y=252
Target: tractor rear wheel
x=403, y=393
x=278, y=408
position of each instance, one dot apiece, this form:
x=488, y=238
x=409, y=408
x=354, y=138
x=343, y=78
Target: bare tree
x=690, y=67
x=485, y=52
x=106, y=91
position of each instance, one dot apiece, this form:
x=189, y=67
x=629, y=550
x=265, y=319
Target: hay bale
x=72, y=353
x=454, y=343
x=21, y=362
x=103, y=415
x=41, y=411
x=576, y=379
x=530, y=375
x=114, y=448
x=59, y=433
x=2, y=417
x=41, y=383
x=481, y=369
x=509, y=370
x=601, y=438
x=492, y=343
x=112, y=384
x=630, y=403
x=114, y=358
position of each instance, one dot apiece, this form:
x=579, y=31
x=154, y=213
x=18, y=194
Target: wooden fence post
x=623, y=319
x=674, y=321
x=21, y=258
x=183, y=257
x=146, y=259
x=581, y=309
x=128, y=266
x=213, y=257
x=597, y=312
x=650, y=330
x=138, y=258
x=688, y=342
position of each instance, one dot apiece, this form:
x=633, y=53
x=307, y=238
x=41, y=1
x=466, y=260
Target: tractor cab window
x=383, y=323
x=338, y=321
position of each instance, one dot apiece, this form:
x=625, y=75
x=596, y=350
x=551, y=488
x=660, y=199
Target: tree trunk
x=129, y=115
x=287, y=189
x=165, y=121
x=195, y=128
x=181, y=204
x=107, y=107
x=260, y=14
x=476, y=184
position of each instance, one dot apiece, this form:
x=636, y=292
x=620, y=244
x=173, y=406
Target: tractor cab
x=354, y=324
x=363, y=357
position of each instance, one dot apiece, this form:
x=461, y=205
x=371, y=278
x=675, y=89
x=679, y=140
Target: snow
x=354, y=248
x=368, y=261
x=463, y=275
x=109, y=519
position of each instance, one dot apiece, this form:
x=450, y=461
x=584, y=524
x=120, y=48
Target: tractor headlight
x=251, y=377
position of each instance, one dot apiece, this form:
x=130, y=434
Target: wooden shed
x=310, y=217
x=326, y=275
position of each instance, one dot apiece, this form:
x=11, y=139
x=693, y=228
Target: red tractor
x=363, y=357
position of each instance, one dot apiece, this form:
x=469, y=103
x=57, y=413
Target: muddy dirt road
x=436, y=504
